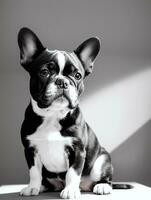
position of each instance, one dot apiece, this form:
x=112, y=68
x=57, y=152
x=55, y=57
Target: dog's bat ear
x=87, y=53
x=30, y=46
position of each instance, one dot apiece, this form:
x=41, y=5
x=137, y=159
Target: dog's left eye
x=44, y=73
x=78, y=76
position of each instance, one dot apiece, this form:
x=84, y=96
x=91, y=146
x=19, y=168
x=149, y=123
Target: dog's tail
x=122, y=186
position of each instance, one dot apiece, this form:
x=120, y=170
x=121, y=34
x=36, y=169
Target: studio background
x=117, y=98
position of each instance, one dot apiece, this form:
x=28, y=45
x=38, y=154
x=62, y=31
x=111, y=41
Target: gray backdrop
x=124, y=27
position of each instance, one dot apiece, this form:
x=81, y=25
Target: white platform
x=139, y=192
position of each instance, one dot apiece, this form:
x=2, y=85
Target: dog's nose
x=62, y=83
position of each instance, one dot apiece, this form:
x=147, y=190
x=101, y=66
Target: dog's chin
x=57, y=103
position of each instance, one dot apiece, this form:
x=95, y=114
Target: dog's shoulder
x=30, y=123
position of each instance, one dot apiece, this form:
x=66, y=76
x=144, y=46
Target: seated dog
x=62, y=152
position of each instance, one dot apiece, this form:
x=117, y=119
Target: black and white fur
x=62, y=152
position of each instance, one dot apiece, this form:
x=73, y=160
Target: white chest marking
x=51, y=145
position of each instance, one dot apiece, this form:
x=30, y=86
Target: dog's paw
x=102, y=188
x=29, y=191
x=70, y=192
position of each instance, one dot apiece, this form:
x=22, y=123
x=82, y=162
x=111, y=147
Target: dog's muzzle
x=62, y=94
x=62, y=83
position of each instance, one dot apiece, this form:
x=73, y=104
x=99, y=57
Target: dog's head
x=56, y=77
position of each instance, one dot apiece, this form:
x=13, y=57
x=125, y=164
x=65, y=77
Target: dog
x=62, y=152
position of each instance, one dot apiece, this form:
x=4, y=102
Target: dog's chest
x=50, y=145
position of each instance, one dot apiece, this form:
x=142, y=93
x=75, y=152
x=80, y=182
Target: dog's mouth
x=59, y=99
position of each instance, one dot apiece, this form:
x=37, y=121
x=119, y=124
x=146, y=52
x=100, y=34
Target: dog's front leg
x=35, y=167
x=73, y=175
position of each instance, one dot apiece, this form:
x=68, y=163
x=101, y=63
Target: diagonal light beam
x=118, y=111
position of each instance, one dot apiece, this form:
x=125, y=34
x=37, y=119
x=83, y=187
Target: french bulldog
x=62, y=152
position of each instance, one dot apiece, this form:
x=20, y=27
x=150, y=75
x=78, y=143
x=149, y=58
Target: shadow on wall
x=120, y=109
x=132, y=159
x=110, y=69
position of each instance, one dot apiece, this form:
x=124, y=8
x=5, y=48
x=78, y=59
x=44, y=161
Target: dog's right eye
x=44, y=73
